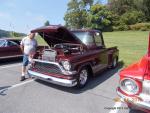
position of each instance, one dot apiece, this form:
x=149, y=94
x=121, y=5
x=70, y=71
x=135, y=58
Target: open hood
x=55, y=34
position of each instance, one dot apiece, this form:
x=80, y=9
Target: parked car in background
x=134, y=85
x=72, y=57
x=10, y=48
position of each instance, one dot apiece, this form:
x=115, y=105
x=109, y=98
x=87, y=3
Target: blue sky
x=25, y=15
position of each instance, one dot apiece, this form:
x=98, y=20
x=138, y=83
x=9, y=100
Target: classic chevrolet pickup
x=134, y=86
x=72, y=56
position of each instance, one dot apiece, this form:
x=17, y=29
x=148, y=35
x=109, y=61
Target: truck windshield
x=85, y=37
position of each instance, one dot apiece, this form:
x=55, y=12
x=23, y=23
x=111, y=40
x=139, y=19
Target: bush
x=140, y=26
x=108, y=29
x=132, y=17
x=121, y=27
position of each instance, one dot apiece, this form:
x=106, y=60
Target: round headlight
x=66, y=65
x=129, y=86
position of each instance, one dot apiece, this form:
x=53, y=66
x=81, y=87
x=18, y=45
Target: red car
x=72, y=56
x=134, y=86
x=9, y=48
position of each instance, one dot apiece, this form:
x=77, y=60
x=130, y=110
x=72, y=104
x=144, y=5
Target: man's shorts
x=25, y=60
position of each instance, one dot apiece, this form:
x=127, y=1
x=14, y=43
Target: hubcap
x=115, y=62
x=83, y=77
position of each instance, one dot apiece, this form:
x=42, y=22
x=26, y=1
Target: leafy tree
x=130, y=12
x=117, y=14
x=146, y=9
x=4, y=33
x=101, y=17
x=46, y=23
x=16, y=34
x=76, y=15
x=120, y=6
x=132, y=17
x=86, y=4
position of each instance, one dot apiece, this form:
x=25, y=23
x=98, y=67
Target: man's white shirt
x=29, y=45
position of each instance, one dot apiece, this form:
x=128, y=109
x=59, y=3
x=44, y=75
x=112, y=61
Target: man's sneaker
x=22, y=78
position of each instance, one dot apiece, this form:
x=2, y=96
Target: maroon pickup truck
x=9, y=48
x=72, y=56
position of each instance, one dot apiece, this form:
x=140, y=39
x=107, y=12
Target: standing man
x=28, y=46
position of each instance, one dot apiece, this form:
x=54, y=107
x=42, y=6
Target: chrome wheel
x=83, y=77
x=114, y=63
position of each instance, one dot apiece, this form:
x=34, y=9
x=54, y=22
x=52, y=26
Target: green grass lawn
x=40, y=40
x=132, y=44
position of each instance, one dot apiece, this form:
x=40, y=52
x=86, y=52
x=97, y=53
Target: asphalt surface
x=35, y=96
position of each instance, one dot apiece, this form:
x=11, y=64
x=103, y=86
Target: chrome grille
x=46, y=68
x=146, y=87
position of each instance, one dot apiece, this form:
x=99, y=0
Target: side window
x=2, y=43
x=98, y=39
x=17, y=42
x=11, y=43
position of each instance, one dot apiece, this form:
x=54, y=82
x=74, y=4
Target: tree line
x=4, y=33
x=115, y=15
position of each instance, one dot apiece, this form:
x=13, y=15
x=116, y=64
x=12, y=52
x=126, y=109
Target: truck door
x=14, y=48
x=102, y=53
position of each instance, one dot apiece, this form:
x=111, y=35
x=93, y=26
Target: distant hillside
x=4, y=33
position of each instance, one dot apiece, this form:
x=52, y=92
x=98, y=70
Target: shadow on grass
x=93, y=82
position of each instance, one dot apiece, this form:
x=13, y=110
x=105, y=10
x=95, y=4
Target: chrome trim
x=146, y=87
x=145, y=97
x=141, y=104
x=54, y=80
x=65, y=72
x=5, y=57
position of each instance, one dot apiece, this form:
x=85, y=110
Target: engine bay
x=56, y=51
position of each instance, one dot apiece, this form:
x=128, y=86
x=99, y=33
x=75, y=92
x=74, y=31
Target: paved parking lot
x=35, y=96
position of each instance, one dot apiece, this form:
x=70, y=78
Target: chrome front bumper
x=137, y=103
x=54, y=80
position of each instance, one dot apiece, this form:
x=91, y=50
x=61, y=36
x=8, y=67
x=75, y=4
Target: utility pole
x=12, y=28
